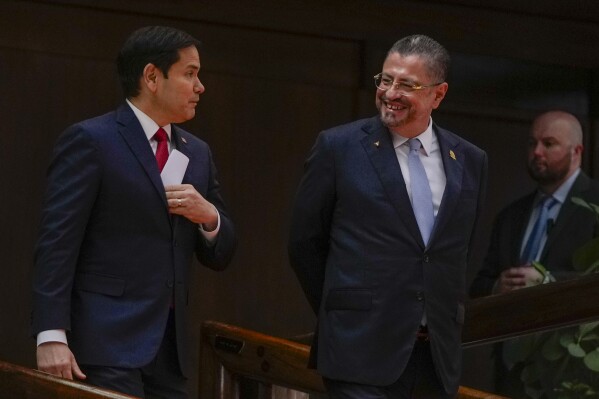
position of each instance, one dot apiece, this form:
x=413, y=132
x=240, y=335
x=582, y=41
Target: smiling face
x=408, y=114
x=176, y=97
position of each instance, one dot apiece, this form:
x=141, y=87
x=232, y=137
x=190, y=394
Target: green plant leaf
x=566, y=338
x=519, y=349
x=579, y=201
x=595, y=208
x=576, y=350
x=594, y=268
x=539, y=267
x=529, y=374
x=552, y=350
x=588, y=327
x=590, y=337
x=585, y=204
x=586, y=257
x=533, y=393
x=591, y=360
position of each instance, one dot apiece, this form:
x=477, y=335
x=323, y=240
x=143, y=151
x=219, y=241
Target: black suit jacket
x=574, y=227
x=357, y=251
x=110, y=257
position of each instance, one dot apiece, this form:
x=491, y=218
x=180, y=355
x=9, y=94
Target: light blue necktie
x=422, y=197
x=538, y=231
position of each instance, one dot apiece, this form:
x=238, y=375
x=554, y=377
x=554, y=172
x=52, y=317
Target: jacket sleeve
x=73, y=182
x=217, y=255
x=309, y=238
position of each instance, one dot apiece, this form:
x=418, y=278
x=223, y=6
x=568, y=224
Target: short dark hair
x=426, y=47
x=158, y=45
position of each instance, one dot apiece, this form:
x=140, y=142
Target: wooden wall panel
x=267, y=96
x=276, y=72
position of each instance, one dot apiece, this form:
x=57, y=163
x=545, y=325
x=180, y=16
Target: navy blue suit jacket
x=110, y=257
x=359, y=256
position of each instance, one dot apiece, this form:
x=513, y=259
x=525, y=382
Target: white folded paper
x=175, y=168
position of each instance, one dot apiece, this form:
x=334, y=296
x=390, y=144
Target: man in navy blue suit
x=111, y=281
x=380, y=237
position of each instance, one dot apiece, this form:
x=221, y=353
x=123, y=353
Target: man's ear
x=150, y=77
x=440, y=92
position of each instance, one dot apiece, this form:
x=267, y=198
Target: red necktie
x=162, y=149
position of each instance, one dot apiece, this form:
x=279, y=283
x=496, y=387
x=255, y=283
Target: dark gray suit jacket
x=574, y=226
x=357, y=251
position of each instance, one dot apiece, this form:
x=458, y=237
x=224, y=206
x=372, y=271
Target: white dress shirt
x=430, y=156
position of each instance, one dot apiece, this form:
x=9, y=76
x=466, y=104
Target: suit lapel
x=379, y=148
x=453, y=161
x=519, y=228
x=133, y=134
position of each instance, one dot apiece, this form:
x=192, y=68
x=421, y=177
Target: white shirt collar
x=147, y=124
x=426, y=138
x=562, y=192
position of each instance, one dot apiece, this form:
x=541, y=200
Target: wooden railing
x=541, y=308
x=229, y=352
x=18, y=382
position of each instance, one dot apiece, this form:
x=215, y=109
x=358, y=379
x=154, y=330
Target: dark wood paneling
x=267, y=96
x=540, y=32
x=276, y=73
x=230, y=50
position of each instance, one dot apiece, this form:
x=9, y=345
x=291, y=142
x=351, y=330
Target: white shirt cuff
x=52, y=336
x=210, y=236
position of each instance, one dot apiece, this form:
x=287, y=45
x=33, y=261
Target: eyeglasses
x=383, y=82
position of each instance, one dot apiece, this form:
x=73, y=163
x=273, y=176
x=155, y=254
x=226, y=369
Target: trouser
x=161, y=378
x=418, y=381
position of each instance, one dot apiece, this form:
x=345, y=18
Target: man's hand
x=56, y=358
x=184, y=200
x=517, y=277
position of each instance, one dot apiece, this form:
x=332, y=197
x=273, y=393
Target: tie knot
x=160, y=135
x=548, y=202
x=414, y=144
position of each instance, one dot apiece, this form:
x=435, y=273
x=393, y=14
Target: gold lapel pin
x=452, y=155
x=376, y=144
x=185, y=141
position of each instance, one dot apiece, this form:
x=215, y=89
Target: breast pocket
x=99, y=283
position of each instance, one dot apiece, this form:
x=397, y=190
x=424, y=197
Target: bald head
x=555, y=149
x=560, y=121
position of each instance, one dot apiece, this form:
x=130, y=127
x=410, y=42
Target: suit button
x=426, y=259
x=169, y=283
x=420, y=295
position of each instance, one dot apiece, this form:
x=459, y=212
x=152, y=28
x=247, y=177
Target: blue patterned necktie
x=422, y=197
x=538, y=231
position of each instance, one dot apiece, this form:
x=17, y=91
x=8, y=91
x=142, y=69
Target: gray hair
x=437, y=56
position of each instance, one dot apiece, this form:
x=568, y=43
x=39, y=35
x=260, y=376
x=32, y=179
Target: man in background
x=545, y=226
x=111, y=280
x=380, y=237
